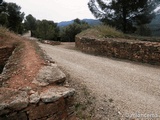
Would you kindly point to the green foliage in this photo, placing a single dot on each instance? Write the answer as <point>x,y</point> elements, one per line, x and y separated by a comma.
<point>1,1</point>
<point>46,30</point>
<point>11,16</point>
<point>143,30</point>
<point>125,15</point>
<point>30,23</point>
<point>155,25</point>
<point>69,32</point>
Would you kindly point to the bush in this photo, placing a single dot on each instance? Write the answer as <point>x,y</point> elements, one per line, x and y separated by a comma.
<point>69,32</point>
<point>143,30</point>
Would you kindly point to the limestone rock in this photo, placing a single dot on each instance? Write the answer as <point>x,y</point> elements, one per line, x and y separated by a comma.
<point>54,93</point>
<point>49,75</point>
<point>12,100</point>
<point>34,98</point>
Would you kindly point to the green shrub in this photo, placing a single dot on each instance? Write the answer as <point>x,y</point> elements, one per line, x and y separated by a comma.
<point>143,30</point>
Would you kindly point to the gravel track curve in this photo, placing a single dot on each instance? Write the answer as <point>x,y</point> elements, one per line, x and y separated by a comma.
<point>134,87</point>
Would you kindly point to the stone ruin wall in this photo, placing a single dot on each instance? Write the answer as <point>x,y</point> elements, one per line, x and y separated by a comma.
<point>51,101</point>
<point>139,51</point>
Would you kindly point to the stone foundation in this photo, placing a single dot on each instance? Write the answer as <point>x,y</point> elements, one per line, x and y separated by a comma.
<point>140,51</point>
<point>19,106</point>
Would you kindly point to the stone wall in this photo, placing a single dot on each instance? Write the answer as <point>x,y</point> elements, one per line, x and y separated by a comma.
<point>55,103</point>
<point>45,98</point>
<point>5,53</point>
<point>140,51</point>
<point>49,100</point>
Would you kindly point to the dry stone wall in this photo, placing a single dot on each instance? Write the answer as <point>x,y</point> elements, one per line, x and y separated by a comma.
<point>55,103</point>
<point>49,101</point>
<point>44,99</point>
<point>140,51</point>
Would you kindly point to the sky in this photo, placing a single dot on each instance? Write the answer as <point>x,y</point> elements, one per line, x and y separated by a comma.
<point>55,10</point>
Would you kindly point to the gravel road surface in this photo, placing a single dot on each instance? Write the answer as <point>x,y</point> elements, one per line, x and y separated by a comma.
<point>133,87</point>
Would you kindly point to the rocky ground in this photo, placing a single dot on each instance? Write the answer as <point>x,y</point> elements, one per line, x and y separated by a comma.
<point>31,83</point>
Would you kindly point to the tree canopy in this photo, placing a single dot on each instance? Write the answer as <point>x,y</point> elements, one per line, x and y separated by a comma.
<point>46,30</point>
<point>1,1</point>
<point>30,23</point>
<point>69,32</point>
<point>11,16</point>
<point>124,14</point>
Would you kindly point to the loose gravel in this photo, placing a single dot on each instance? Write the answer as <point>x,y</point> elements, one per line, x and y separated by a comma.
<point>133,89</point>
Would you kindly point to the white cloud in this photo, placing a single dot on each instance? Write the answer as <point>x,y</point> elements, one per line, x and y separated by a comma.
<point>56,10</point>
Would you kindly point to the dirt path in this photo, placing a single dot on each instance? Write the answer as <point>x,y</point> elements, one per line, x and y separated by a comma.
<point>134,89</point>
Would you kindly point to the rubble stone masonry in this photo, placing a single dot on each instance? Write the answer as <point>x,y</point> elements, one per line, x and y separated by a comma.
<point>140,51</point>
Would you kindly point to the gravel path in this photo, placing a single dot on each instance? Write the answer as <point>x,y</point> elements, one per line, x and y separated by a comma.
<point>134,88</point>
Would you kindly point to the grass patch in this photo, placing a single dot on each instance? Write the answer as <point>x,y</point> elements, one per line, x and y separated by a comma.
<point>85,106</point>
<point>3,31</point>
<point>102,31</point>
<point>38,50</point>
<point>105,31</point>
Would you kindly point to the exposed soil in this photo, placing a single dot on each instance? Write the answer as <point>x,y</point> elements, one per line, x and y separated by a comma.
<point>29,63</point>
<point>24,63</point>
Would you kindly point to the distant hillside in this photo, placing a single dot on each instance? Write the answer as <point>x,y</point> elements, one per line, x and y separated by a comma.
<point>89,21</point>
<point>92,21</point>
<point>155,25</point>
<point>65,23</point>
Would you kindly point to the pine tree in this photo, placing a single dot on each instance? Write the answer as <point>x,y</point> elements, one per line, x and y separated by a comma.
<point>30,24</point>
<point>124,14</point>
<point>11,16</point>
<point>1,1</point>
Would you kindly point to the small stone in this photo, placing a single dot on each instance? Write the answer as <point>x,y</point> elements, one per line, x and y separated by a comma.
<point>119,112</point>
<point>102,108</point>
<point>39,83</point>
<point>27,88</point>
<point>54,65</point>
<point>34,98</point>
<point>32,92</point>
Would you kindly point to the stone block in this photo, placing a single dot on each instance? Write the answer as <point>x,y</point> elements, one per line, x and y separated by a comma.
<point>49,75</point>
<point>54,93</point>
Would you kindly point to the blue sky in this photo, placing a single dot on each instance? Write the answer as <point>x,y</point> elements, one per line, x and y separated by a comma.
<point>56,10</point>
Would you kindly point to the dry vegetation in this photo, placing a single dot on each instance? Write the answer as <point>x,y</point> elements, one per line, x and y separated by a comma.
<point>103,31</point>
